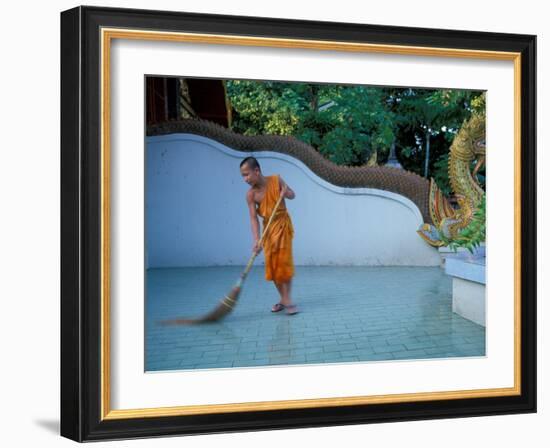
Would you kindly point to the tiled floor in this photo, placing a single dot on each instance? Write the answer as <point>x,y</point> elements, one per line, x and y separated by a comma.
<point>346,314</point>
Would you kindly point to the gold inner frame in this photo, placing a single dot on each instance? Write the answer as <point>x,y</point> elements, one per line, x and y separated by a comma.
<point>107,34</point>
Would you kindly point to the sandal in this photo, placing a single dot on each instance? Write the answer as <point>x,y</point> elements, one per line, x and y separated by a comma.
<point>291,310</point>
<point>277,307</point>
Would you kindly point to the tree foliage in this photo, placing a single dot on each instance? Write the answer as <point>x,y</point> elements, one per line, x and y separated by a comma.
<point>349,123</point>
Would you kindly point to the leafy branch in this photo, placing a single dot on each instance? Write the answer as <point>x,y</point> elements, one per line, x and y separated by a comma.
<point>473,234</point>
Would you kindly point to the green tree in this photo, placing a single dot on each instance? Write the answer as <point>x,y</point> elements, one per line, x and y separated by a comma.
<point>427,118</point>
<point>348,123</point>
<point>428,121</point>
<point>345,123</point>
<point>266,107</point>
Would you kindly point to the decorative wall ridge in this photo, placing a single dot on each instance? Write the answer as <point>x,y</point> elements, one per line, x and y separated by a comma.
<point>396,180</point>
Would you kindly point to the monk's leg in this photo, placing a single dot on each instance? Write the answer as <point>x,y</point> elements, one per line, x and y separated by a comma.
<point>285,292</point>
<point>277,306</point>
<point>280,289</point>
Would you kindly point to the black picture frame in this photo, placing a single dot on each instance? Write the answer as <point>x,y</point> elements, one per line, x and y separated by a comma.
<point>83,410</point>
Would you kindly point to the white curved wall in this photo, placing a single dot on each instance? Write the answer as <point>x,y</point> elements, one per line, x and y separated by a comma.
<point>196,213</point>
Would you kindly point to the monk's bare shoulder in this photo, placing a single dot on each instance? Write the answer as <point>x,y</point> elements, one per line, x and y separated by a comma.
<point>250,196</point>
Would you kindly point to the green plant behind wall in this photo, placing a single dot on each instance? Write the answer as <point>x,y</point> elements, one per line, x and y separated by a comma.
<point>473,234</point>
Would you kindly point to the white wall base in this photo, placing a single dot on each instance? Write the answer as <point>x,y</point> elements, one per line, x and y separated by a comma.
<point>469,300</point>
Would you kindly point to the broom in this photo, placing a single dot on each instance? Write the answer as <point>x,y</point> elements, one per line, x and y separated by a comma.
<point>227,304</point>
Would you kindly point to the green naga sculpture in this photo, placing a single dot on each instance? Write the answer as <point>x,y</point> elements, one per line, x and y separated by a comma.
<point>468,147</point>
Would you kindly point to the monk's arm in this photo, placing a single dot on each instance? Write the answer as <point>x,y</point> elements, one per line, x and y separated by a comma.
<point>288,192</point>
<point>253,217</point>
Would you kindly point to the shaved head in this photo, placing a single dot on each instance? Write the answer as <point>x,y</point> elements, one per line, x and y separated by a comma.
<point>251,162</point>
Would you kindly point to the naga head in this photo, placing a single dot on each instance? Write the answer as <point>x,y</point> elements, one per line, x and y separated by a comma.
<point>476,129</point>
<point>477,133</point>
<point>469,143</point>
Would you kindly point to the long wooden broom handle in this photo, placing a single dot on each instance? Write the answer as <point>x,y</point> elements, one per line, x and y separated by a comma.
<point>253,257</point>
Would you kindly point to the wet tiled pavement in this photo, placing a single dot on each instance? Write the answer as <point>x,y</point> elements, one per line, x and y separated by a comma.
<point>347,314</point>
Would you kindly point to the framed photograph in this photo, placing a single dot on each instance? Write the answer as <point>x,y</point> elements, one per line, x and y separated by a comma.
<point>271,223</point>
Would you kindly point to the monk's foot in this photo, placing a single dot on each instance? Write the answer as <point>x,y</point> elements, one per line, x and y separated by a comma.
<point>277,307</point>
<point>291,309</point>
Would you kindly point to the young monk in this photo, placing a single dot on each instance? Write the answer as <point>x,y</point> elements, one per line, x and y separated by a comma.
<point>277,244</point>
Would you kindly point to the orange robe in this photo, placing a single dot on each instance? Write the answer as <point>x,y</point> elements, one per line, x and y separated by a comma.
<point>277,244</point>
